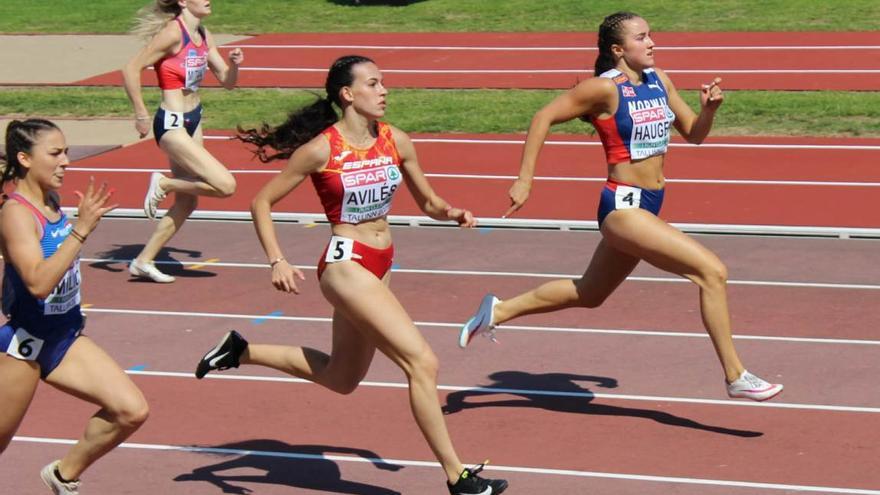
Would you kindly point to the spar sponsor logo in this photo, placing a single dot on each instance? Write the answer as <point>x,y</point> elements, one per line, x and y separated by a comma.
<point>647,111</point>
<point>371,176</point>
<point>368,192</point>
<point>650,132</point>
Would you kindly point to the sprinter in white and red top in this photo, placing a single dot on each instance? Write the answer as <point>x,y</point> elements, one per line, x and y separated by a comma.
<point>357,164</point>
<point>181,50</point>
<point>632,104</point>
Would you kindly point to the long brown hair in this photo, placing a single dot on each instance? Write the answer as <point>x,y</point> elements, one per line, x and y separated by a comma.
<point>307,122</point>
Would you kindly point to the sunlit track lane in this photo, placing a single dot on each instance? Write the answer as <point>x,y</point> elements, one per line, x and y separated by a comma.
<point>538,359</point>
<point>550,62</point>
<point>821,312</point>
<point>277,472</point>
<point>787,450</point>
<point>688,202</point>
<point>776,158</point>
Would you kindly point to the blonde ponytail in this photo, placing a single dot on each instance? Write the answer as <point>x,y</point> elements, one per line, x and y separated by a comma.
<point>152,18</point>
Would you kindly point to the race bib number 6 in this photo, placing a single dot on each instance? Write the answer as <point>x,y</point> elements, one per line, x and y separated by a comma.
<point>24,346</point>
<point>173,120</point>
<point>627,197</point>
<point>340,249</point>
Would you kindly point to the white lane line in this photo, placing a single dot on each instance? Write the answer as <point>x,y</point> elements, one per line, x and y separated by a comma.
<point>528,392</point>
<point>315,46</point>
<point>450,140</point>
<point>492,467</point>
<point>673,145</point>
<point>479,273</point>
<point>572,71</point>
<point>671,181</point>
<point>505,328</point>
<point>540,178</point>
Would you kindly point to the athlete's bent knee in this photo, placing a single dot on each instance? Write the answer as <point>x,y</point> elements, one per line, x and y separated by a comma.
<point>425,365</point>
<point>225,186</point>
<point>133,415</point>
<point>714,276</point>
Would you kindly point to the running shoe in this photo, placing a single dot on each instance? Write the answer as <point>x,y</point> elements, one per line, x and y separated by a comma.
<point>148,271</point>
<point>482,323</point>
<point>154,196</point>
<point>469,483</point>
<point>224,355</point>
<point>749,386</point>
<point>52,478</point>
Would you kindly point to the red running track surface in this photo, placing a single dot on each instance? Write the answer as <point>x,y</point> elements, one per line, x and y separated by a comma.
<point>770,61</point>
<point>632,405</point>
<point>788,181</point>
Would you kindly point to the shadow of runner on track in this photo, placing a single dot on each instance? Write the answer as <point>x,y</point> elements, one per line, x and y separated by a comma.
<point>121,254</point>
<point>572,398</point>
<point>300,466</point>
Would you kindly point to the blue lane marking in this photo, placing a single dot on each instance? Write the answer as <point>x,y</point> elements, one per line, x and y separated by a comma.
<point>258,321</point>
<point>140,367</point>
<point>395,266</point>
<point>485,230</point>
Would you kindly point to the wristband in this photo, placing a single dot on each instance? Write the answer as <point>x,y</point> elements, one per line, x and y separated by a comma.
<point>276,261</point>
<point>143,118</point>
<point>76,235</point>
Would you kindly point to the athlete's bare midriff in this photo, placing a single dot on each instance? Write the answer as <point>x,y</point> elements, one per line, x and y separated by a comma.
<point>647,173</point>
<point>180,100</point>
<point>374,233</point>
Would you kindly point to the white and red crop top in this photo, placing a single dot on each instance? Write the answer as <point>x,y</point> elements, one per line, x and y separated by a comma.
<point>358,184</point>
<point>640,127</point>
<point>186,68</point>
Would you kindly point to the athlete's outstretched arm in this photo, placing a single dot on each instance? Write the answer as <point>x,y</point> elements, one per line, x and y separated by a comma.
<point>429,202</point>
<point>308,158</point>
<point>591,97</point>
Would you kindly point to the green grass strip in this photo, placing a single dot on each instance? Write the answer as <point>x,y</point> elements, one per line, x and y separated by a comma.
<point>803,113</point>
<point>270,16</point>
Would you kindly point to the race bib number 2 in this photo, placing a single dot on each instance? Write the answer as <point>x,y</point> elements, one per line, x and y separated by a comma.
<point>340,249</point>
<point>24,345</point>
<point>173,120</point>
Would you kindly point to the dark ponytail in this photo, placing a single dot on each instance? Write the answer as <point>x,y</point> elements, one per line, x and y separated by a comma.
<point>21,135</point>
<point>610,33</point>
<point>304,124</point>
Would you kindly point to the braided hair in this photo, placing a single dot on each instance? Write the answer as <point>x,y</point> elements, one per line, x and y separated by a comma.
<point>21,135</point>
<point>307,122</point>
<point>610,33</point>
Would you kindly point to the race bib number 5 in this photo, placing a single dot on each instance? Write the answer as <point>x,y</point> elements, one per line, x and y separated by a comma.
<point>627,197</point>
<point>340,249</point>
<point>24,346</point>
<point>173,120</point>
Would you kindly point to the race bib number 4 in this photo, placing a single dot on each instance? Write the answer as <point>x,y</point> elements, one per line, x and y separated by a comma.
<point>627,197</point>
<point>24,345</point>
<point>340,249</point>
